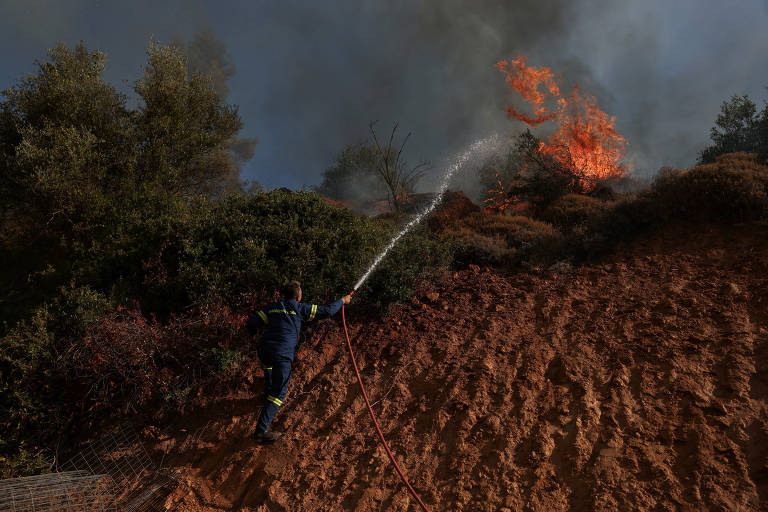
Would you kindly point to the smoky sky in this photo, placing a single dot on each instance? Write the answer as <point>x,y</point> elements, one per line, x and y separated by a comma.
<point>308,77</point>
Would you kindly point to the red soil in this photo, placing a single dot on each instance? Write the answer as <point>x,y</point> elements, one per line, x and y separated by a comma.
<point>637,384</point>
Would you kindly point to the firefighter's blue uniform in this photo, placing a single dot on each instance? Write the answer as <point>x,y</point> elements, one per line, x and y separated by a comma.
<point>278,346</point>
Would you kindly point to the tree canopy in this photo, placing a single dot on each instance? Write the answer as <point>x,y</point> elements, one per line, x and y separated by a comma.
<point>739,127</point>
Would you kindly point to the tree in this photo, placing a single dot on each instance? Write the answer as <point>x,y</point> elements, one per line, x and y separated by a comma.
<point>207,55</point>
<point>70,148</point>
<point>185,132</point>
<point>400,178</point>
<point>738,127</point>
<point>81,173</point>
<point>354,175</point>
<point>65,137</point>
<point>525,174</point>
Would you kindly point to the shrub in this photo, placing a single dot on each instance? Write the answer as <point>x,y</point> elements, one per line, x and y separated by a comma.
<point>734,188</point>
<point>484,234</point>
<point>471,247</point>
<point>573,211</point>
<point>418,255</point>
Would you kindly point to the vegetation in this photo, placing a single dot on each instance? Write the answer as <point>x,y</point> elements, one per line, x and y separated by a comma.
<point>526,175</point>
<point>738,128</point>
<point>131,255</point>
<point>399,177</point>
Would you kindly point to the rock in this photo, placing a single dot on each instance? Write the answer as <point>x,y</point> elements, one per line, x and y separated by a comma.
<point>561,267</point>
<point>433,297</point>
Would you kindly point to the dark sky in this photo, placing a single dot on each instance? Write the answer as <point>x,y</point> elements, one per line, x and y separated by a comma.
<point>311,75</point>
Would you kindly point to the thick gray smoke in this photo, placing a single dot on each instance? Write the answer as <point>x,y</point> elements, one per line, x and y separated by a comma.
<point>311,75</point>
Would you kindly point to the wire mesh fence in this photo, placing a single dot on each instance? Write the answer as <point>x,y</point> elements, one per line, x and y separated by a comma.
<point>116,472</point>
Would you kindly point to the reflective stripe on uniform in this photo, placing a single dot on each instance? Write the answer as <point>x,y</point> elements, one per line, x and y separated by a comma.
<point>313,312</point>
<point>284,311</point>
<point>264,317</point>
<point>274,400</point>
<point>267,367</point>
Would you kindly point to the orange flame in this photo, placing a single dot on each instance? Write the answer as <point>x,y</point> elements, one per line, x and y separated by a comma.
<point>586,140</point>
<point>499,199</point>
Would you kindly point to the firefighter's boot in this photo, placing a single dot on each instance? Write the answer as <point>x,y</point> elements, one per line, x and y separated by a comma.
<point>266,437</point>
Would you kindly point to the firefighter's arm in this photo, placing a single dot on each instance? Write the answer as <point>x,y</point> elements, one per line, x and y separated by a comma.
<point>256,321</point>
<point>314,312</point>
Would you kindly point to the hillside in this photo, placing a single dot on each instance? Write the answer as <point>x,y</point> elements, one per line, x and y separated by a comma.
<point>639,383</point>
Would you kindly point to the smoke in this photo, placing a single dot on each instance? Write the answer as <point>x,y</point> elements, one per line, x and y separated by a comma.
<point>206,54</point>
<point>429,66</point>
<point>311,75</point>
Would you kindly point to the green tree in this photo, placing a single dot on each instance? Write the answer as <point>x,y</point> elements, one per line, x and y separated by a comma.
<point>206,54</point>
<point>65,138</point>
<point>81,174</point>
<point>738,127</point>
<point>185,133</point>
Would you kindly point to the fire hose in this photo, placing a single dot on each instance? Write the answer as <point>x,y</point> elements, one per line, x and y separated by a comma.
<point>373,417</point>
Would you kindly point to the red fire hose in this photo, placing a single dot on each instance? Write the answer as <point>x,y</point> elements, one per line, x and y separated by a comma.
<point>373,417</point>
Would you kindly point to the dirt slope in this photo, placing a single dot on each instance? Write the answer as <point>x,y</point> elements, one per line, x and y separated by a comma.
<point>640,384</point>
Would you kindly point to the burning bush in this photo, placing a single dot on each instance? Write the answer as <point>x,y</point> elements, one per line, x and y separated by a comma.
<point>584,150</point>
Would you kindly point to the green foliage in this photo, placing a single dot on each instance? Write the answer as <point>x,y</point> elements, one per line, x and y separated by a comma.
<point>738,128</point>
<point>418,255</point>
<point>184,131</point>
<point>32,356</point>
<point>221,359</point>
<point>258,242</point>
<point>64,138</point>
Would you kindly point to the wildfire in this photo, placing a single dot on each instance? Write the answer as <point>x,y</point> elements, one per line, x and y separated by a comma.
<point>585,141</point>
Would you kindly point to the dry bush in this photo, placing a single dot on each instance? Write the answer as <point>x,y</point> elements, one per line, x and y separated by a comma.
<point>455,206</point>
<point>471,247</point>
<point>525,239</point>
<point>732,189</point>
<point>574,211</point>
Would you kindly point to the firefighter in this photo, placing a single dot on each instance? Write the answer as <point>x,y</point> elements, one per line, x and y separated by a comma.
<point>277,347</point>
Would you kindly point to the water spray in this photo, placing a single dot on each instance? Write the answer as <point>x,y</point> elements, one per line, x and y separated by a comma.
<point>481,145</point>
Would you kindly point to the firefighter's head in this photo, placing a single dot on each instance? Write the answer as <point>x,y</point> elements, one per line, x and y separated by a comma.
<point>292,291</point>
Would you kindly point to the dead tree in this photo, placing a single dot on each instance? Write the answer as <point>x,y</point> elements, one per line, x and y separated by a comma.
<point>399,177</point>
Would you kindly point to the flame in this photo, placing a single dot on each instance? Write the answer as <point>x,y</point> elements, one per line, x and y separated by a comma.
<point>499,200</point>
<point>585,141</point>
